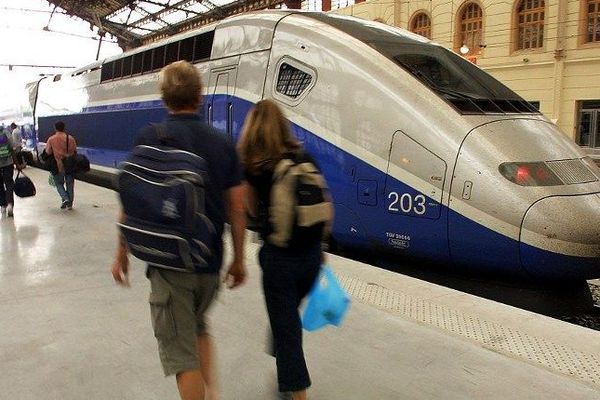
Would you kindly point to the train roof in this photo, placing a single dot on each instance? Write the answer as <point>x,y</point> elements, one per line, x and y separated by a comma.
<point>364,30</point>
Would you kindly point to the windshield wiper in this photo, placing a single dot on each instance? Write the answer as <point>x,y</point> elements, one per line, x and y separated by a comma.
<point>453,92</point>
<point>434,86</point>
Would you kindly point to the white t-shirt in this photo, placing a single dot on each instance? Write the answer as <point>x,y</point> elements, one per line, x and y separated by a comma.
<point>17,139</point>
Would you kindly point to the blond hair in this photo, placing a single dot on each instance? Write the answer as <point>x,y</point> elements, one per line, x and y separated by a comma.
<point>266,137</point>
<point>180,86</point>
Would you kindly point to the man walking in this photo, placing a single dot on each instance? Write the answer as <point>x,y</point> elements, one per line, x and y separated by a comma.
<point>61,145</point>
<point>185,346</point>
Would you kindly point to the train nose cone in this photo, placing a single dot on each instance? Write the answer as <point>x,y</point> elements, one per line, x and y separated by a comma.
<point>560,237</point>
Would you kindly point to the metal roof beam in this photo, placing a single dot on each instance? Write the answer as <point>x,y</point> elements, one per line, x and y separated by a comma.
<point>175,6</point>
<point>157,15</point>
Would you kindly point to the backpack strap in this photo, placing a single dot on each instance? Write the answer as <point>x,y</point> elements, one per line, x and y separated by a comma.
<point>282,168</point>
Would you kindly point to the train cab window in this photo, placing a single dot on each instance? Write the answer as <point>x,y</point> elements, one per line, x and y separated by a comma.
<point>203,46</point>
<point>466,87</point>
<point>186,49</point>
<point>147,64</point>
<point>172,53</point>
<point>292,81</point>
<point>138,60</point>
<point>127,66</point>
<point>159,58</point>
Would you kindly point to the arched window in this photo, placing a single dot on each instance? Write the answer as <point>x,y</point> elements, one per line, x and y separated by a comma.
<point>470,30</point>
<point>421,24</point>
<point>530,24</point>
<point>592,24</point>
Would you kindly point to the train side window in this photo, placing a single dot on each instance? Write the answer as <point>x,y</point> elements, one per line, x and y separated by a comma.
<point>203,46</point>
<point>172,53</point>
<point>138,60</point>
<point>291,81</point>
<point>107,71</point>
<point>118,70</point>
<point>159,58</point>
<point>147,64</point>
<point>127,66</point>
<point>186,49</point>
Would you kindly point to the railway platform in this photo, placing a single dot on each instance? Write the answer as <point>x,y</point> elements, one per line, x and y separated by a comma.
<point>68,332</point>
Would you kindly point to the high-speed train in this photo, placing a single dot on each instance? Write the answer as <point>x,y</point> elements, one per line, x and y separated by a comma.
<point>425,154</point>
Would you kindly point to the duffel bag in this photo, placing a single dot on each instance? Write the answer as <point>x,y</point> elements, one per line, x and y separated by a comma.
<point>23,187</point>
<point>76,163</point>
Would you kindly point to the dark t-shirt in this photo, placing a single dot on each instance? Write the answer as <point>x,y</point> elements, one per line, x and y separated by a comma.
<point>187,132</point>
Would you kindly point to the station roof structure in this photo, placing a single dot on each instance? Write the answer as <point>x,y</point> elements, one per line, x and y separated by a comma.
<point>138,22</point>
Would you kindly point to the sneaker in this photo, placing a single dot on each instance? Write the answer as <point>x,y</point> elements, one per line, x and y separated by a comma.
<point>70,206</point>
<point>64,204</point>
<point>3,210</point>
<point>9,210</point>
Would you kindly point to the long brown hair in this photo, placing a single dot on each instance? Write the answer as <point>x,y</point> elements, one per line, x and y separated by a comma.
<point>266,137</point>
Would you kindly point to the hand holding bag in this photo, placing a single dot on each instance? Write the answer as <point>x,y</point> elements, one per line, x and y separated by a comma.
<point>49,162</point>
<point>23,187</point>
<point>327,302</point>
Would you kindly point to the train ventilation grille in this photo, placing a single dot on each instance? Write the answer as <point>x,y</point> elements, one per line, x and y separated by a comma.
<point>571,171</point>
<point>488,106</point>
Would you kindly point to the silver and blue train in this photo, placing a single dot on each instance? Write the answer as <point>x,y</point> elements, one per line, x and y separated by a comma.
<point>425,154</point>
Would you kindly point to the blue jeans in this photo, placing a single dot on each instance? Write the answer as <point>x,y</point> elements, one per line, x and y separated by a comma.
<point>60,180</point>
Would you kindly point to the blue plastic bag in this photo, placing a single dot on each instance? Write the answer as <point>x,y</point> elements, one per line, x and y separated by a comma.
<point>327,302</point>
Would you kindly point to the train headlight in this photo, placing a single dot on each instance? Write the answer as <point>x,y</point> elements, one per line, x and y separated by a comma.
<point>529,174</point>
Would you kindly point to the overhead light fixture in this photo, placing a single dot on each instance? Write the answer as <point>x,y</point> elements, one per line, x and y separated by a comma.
<point>464,49</point>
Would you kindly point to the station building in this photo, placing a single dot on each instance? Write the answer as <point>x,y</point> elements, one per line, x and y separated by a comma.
<point>548,51</point>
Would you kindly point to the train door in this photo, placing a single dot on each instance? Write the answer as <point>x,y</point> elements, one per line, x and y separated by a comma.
<point>413,216</point>
<point>220,104</point>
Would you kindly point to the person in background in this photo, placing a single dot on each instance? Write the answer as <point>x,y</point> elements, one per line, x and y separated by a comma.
<point>188,351</point>
<point>288,273</point>
<point>8,151</point>
<point>61,145</point>
<point>16,137</point>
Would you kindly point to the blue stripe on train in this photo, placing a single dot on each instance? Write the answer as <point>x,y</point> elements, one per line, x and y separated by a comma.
<point>107,133</point>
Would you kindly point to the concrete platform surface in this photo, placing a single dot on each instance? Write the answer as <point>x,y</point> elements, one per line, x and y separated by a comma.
<point>68,332</point>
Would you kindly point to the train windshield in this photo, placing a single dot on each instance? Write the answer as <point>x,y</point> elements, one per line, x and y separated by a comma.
<point>446,73</point>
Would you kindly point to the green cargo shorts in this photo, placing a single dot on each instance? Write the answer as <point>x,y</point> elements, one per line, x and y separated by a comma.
<point>178,304</point>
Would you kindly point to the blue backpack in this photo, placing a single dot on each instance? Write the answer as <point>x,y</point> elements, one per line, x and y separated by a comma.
<point>162,192</point>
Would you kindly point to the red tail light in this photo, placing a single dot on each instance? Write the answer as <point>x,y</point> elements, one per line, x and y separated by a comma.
<point>529,174</point>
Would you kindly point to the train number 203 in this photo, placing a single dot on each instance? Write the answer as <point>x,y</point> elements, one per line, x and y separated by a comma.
<point>406,203</point>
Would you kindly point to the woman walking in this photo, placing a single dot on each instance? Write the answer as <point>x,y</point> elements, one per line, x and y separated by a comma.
<point>290,272</point>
